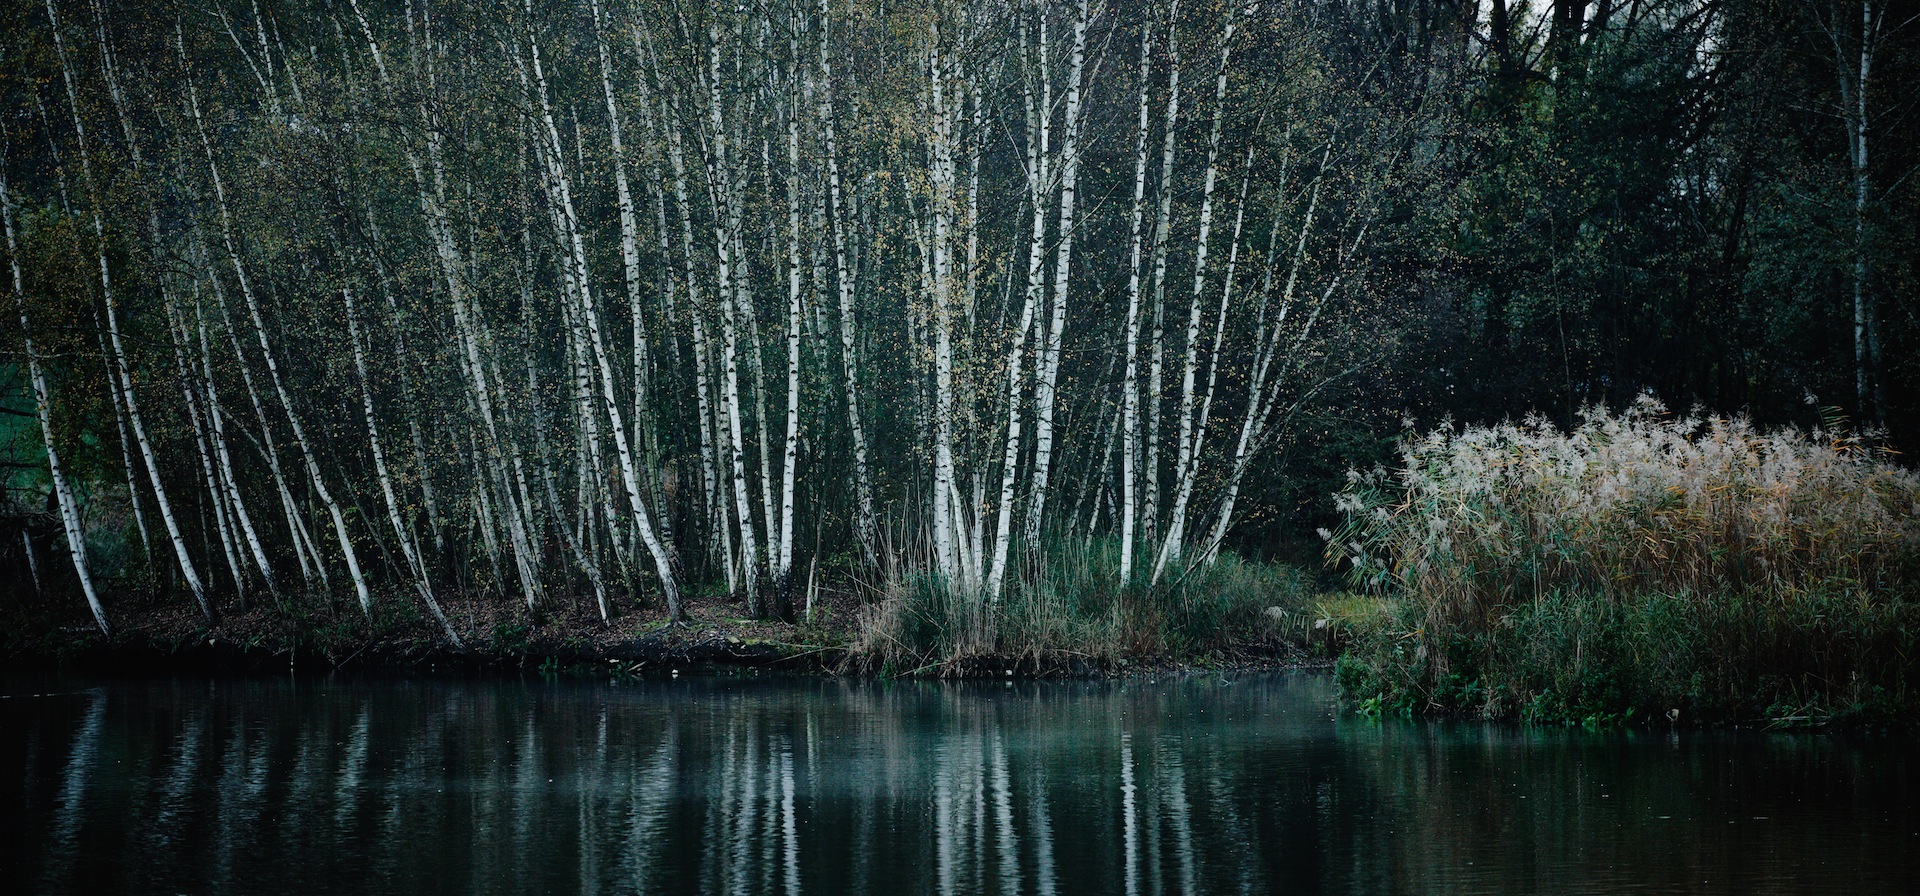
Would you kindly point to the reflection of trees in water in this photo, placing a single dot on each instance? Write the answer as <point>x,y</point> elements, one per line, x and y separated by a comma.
<point>63,835</point>
<point>1192,786</point>
<point>711,787</point>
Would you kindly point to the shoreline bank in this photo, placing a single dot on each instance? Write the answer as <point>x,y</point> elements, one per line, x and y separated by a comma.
<point>569,641</point>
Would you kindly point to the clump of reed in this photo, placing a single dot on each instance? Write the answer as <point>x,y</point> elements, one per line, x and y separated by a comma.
<point>1072,611</point>
<point>1642,556</point>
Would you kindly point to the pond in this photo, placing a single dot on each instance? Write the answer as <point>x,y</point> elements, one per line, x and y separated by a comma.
<point>1190,784</point>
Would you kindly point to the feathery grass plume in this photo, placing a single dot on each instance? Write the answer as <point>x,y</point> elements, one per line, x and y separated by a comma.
<point>1486,531</point>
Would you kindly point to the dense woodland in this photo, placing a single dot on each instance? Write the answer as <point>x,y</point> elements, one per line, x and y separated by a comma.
<point>639,299</point>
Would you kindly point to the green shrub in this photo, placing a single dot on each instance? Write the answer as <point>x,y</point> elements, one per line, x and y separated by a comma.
<point>1075,607</point>
<point>1638,564</point>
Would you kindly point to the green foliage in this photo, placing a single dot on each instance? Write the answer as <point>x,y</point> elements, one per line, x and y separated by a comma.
<point>510,637</point>
<point>1578,658</point>
<point>1074,608</point>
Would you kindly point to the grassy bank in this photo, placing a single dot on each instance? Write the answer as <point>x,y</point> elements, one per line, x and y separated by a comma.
<point>1076,609</point>
<point>1640,566</point>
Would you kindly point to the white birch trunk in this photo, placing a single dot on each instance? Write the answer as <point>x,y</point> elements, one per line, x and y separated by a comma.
<point>721,178</point>
<point>122,371</point>
<point>128,460</point>
<point>629,234</point>
<point>1162,234</point>
<point>866,528</point>
<point>1855,74</point>
<point>177,340</point>
<point>229,505</point>
<point>756,364</point>
<point>410,392</point>
<point>709,473</point>
<point>216,414</point>
<point>1038,178</point>
<point>1048,369</point>
<point>43,411</point>
<point>402,532</point>
<point>1184,487</point>
<point>629,472</point>
<point>783,571</point>
<point>302,540</point>
<point>1184,445</point>
<point>1130,384</point>
<point>944,521</point>
<point>273,368</point>
<point>429,178</point>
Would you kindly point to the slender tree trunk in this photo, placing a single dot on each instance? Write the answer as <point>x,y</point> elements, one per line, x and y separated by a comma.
<point>716,512</point>
<point>129,461</point>
<point>783,571</point>
<point>1130,384</point>
<point>629,472</point>
<point>1855,75</point>
<point>720,175</point>
<point>216,415</point>
<point>273,368</point>
<point>304,551</point>
<point>122,371</point>
<point>1270,367</point>
<point>1191,474</point>
<point>409,391</point>
<point>865,528</point>
<point>429,176</point>
<point>1047,374</point>
<point>942,178</point>
<point>1184,445</point>
<point>178,339</point>
<point>1162,234</point>
<point>402,533</point>
<point>43,411</point>
<point>1038,180</point>
<point>629,238</point>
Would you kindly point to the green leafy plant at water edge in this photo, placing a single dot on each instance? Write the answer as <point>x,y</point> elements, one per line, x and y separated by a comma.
<point>1075,607</point>
<point>510,637</point>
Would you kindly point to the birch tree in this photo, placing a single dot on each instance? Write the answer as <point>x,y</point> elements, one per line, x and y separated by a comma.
<point>70,521</point>
<point>121,370</point>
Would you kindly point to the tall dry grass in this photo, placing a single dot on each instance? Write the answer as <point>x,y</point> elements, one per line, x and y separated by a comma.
<point>1486,534</point>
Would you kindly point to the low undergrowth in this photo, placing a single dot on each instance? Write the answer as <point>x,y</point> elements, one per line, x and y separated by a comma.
<point>1804,659</point>
<point>1074,611</point>
<point>1640,566</point>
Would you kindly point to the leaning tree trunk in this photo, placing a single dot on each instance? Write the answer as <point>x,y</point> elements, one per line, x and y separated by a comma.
<point>122,370</point>
<point>402,533</point>
<point>301,443</point>
<point>42,403</point>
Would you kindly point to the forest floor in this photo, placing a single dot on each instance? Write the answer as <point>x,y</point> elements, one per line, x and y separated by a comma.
<point>165,635</point>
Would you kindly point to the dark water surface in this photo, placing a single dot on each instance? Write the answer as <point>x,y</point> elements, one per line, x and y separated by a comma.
<point>1190,785</point>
